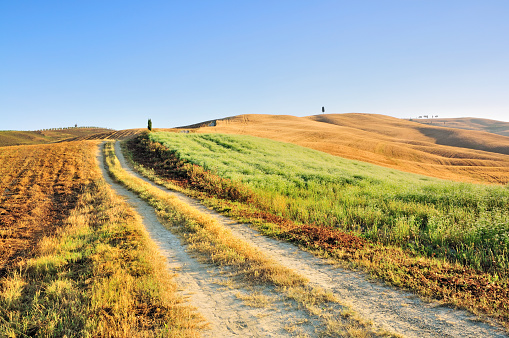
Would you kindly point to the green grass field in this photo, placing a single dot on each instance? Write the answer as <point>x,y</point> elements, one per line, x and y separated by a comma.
<point>464,222</point>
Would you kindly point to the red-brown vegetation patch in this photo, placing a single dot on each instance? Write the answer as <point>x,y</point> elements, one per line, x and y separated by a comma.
<point>452,283</point>
<point>327,239</point>
<point>456,284</point>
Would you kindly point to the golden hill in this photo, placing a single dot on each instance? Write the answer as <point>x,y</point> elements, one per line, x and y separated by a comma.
<point>13,138</point>
<point>470,123</point>
<point>448,153</point>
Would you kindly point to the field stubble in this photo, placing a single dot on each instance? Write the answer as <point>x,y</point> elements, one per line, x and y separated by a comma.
<point>38,186</point>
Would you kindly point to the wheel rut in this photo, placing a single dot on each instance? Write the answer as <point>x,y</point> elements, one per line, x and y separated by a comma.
<point>210,290</point>
<point>386,307</point>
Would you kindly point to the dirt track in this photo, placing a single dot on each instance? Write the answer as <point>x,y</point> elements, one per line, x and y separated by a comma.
<point>386,307</point>
<point>209,289</point>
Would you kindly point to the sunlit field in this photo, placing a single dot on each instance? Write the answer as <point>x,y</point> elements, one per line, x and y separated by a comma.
<point>75,259</point>
<point>430,150</point>
<point>463,222</point>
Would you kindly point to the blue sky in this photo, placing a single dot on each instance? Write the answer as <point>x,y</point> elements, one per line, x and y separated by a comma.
<point>117,63</point>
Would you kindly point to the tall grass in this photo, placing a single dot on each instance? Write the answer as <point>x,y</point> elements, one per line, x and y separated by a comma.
<point>98,276</point>
<point>464,222</point>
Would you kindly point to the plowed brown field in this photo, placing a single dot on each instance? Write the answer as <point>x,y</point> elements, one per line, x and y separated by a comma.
<point>448,153</point>
<point>14,138</point>
<point>38,187</point>
<point>110,135</point>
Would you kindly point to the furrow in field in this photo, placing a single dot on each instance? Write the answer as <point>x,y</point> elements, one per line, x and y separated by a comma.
<point>387,307</point>
<point>33,197</point>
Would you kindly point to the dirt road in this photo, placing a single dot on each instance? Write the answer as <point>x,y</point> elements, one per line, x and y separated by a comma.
<point>212,292</point>
<point>386,307</point>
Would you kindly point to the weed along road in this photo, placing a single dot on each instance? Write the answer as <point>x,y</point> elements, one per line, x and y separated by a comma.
<point>216,296</point>
<point>323,299</point>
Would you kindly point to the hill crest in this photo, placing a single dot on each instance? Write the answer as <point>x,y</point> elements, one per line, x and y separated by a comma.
<point>470,123</point>
<point>449,153</point>
<point>13,137</point>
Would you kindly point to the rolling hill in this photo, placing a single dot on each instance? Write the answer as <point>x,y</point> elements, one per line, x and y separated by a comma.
<point>471,123</point>
<point>466,152</point>
<point>109,135</point>
<point>14,138</point>
<point>449,153</point>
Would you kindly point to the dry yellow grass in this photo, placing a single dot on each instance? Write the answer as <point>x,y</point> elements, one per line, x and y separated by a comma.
<point>215,243</point>
<point>75,260</point>
<point>470,123</point>
<point>205,234</point>
<point>461,155</point>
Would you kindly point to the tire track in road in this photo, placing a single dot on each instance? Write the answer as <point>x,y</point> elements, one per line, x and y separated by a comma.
<point>203,285</point>
<point>387,307</point>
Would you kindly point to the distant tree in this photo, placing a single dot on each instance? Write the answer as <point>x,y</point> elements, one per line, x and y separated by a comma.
<point>323,110</point>
<point>150,124</point>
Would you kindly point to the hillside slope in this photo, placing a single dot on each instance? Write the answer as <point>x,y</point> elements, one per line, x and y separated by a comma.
<point>471,123</point>
<point>109,135</point>
<point>447,153</point>
<point>14,138</point>
<point>409,131</point>
<point>117,134</point>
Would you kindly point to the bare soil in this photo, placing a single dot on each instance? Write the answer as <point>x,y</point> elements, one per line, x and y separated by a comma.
<point>39,185</point>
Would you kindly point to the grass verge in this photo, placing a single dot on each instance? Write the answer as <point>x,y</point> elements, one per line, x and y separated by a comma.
<point>216,244</point>
<point>481,292</point>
